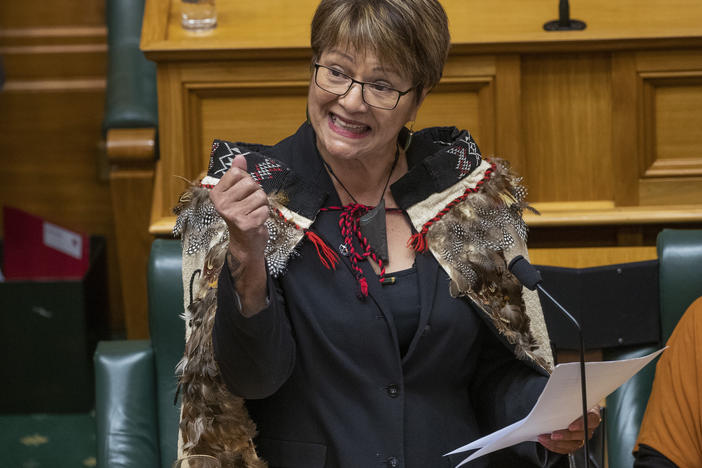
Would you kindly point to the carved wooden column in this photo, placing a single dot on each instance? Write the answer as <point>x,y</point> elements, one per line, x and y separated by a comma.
<point>131,156</point>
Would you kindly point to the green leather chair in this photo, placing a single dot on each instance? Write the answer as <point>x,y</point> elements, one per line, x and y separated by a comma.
<point>680,283</point>
<point>136,417</point>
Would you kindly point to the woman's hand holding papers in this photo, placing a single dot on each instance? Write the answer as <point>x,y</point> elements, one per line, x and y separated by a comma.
<point>571,439</point>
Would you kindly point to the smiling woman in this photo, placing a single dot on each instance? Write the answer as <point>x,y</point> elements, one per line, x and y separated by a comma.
<point>351,133</point>
<point>351,302</point>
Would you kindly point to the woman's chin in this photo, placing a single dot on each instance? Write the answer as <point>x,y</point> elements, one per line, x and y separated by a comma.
<point>338,147</point>
<point>344,152</point>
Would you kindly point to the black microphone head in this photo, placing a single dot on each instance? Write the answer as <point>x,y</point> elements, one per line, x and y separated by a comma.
<point>525,272</point>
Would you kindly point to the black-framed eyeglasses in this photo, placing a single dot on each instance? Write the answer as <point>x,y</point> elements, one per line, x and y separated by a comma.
<point>374,94</point>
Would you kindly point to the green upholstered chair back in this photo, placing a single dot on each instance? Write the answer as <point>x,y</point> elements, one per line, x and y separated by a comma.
<point>130,97</point>
<point>167,330</point>
<point>679,275</point>
<point>680,283</point>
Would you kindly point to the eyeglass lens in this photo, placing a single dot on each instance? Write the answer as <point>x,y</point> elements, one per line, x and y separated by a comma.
<point>375,95</point>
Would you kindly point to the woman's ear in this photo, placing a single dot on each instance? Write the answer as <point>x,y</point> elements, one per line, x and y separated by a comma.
<point>420,101</point>
<point>425,91</point>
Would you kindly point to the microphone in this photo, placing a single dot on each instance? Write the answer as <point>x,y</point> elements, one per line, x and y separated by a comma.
<point>531,279</point>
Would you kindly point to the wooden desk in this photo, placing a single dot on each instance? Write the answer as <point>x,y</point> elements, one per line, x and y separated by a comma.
<point>607,118</point>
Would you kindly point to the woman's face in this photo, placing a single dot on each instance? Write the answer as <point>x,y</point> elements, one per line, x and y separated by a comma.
<point>347,128</point>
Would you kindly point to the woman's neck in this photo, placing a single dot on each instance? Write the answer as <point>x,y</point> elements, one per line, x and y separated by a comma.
<point>362,180</point>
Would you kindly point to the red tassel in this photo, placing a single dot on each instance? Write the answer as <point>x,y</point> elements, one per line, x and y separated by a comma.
<point>364,286</point>
<point>326,255</point>
<point>417,242</point>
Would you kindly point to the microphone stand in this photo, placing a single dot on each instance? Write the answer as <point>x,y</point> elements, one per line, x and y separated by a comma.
<point>530,277</point>
<point>564,23</point>
<point>582,368</point>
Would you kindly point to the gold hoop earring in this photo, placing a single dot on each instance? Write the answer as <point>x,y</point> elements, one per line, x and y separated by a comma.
<point>406,135</point>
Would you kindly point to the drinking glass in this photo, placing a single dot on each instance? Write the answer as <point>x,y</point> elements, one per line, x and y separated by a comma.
<point>198,15</point>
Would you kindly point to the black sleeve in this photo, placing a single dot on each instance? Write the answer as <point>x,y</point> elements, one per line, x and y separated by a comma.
<point>505,390</point>
<point>648,457</point>
<point>255,355</point>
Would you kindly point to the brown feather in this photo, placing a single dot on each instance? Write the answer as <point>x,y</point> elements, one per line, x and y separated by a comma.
<point>213,421</point>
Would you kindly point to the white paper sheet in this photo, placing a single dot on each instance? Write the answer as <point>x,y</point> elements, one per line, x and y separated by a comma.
<point>560,403</point>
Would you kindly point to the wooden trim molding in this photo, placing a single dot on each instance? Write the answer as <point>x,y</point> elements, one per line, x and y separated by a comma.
<point>131,153</point>
<point>653,165</point>
<point>127,146</point>
<point>582,215</point>
<point>625,128</point>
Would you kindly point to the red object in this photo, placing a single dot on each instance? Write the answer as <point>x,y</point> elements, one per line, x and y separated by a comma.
<point>327,256</point>
<point>417,242</point>
<point>37,249</point>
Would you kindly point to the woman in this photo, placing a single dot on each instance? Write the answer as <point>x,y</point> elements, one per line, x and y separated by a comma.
<point>363,308</point>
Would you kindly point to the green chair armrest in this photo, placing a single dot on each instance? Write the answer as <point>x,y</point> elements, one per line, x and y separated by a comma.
<point>125,405</point>
<point>625,408</point>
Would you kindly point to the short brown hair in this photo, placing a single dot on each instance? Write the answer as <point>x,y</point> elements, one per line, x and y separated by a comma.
<point>412,36</point>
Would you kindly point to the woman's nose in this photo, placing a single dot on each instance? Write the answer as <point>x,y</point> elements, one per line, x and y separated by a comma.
<point>353,99</point>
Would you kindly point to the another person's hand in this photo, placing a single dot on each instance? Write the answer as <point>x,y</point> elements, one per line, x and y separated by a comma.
<point>570,439</point>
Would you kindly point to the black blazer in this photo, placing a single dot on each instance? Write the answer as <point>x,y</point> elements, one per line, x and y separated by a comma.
<point>324,378</point>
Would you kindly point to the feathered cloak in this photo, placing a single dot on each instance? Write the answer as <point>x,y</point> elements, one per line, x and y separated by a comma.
<point>466,211</point>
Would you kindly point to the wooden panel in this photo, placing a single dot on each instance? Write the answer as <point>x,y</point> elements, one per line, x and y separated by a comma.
<point>584,257</point>
<point>673,117</point>
<point>508,112</point>
<point>50,120</point>
<point>49,144</point>
<point>476,26</point>
<point>626,136</point>
<point>668,88</point>
<point>129,189</point>
<point>50,63</point>
<point>476,21</point>
<point>466,104</point>
<point>579,214</point>
<point>567,117</point>
<point>43,14</point>
<point>670,190</point>
<point>173,141</point>
<point>681,60</point>
<point>53,53</point>
<point>212,114</point>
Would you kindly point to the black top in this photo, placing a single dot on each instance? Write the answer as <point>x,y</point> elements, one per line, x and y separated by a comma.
<point>403,297</point>
<point>648,457</point>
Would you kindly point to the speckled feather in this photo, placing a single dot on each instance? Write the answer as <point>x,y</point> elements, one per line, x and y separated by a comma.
<point>471,240</point>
